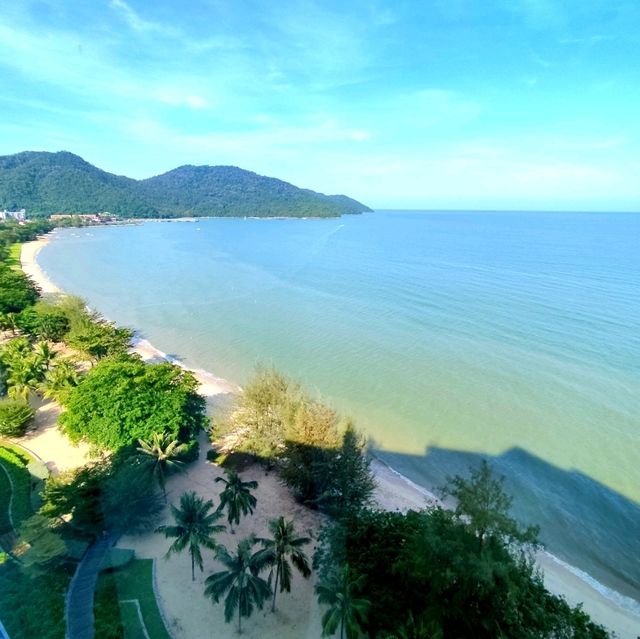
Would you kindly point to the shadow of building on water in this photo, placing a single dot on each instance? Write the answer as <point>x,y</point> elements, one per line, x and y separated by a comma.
<point>582,521</point>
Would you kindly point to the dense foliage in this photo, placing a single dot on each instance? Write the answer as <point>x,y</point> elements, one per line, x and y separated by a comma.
<point>46,183</point>
<point>123,400</point>
<point>442,573</point>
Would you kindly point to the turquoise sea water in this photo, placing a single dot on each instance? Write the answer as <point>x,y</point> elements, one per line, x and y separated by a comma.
<point>449,336</point>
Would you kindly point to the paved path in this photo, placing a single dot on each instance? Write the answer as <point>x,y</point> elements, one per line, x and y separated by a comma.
<point>79,604</point>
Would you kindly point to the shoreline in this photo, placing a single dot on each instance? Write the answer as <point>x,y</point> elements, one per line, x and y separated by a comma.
<point>395,491</point>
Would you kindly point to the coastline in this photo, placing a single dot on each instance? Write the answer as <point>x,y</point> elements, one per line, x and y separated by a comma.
<point>394,491</point>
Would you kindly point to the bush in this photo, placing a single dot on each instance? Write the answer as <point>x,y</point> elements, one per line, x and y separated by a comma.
<point>14,417</point>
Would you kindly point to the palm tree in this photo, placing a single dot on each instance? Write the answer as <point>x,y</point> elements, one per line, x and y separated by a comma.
<point>241,583</point>
<point>160,457</point>
<point>23,377</point>
<point>338,590</point>
<point>44,355</point>
<point>236,497</point>
<point>59,380</point>
<point>195,526</point>
<point>277,551</point>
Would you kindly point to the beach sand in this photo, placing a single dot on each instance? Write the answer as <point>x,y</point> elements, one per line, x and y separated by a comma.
<point>188,612</point>
<point>31,267</point>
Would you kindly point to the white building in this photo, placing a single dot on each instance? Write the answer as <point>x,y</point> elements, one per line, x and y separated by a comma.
<point>19,216</point>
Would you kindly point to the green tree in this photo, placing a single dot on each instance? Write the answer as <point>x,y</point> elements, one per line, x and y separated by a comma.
<point>44,320</point>
<point>261,414</point>
<point>311,447</point>
<point>122,400</point>
<point>160,457</point>
<point>482,502</point>
<point>339,590</point>
<point>284,545</point>
<point>98,339</point>
<point>17,291</point>
<point>240,582</point>
<point>351,480</point>
<point>44,356</point>
<point>236,497</point>
<point>60,380</point>
<point>24,377</point>
<point>194,528</point>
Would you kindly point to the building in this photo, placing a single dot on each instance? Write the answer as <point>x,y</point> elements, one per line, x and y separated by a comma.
<point>18,216</point>
<point>89,218</point>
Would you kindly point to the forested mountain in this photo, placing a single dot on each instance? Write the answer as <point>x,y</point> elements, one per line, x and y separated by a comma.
<point>45,183</point>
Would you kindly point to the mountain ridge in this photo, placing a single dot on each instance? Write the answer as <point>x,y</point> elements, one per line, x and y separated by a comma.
<point>43,183</point>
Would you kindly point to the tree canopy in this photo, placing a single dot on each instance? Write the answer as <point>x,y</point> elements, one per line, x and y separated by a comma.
<point>123,400</point>
<point>429,576</point>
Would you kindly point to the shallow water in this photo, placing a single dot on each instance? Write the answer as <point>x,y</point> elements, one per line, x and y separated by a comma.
<point>449,336</point>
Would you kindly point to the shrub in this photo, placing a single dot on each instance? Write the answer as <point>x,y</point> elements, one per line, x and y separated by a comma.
<point>14,417</point>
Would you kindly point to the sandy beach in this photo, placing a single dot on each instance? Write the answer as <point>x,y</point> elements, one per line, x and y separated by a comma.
<point>191,615</point>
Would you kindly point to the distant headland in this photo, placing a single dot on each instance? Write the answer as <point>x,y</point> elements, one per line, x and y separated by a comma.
<point>45,183</point>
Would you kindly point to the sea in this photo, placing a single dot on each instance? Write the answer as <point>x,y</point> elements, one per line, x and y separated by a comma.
<point>449,337</point>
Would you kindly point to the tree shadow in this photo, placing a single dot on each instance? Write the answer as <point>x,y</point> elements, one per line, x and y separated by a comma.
<point>582,521</point>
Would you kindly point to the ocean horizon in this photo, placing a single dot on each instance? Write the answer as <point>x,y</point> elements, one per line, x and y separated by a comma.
<point>449,336</point>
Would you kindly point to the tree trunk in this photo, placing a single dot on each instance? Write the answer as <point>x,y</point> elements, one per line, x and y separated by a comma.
<point>239,619</point>
<point>193,568</point>
<point>275,589</point>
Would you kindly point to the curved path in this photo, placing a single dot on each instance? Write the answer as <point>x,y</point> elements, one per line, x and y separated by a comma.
<point>79,603</point>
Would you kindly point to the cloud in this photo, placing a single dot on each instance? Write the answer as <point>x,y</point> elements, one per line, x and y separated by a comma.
<point>137,23</point>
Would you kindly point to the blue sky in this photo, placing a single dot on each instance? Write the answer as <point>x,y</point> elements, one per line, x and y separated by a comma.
<point>430,103</point>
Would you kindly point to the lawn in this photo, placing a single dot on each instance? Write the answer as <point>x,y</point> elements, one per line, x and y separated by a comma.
<point>14,256</point>
<point>125,595</point>
<point>14,466</point>
<point>5,495</point>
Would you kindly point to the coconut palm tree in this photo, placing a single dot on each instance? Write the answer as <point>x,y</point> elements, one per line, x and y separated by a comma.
<point>195,526</point>
<point>236,497</point>
<point>44,355</point>
<point>24,376</point>
<point>284,545</point>
<point>59,380</point>
<point>159,456</point>
<point>240,582</point>
<point>338,590</point>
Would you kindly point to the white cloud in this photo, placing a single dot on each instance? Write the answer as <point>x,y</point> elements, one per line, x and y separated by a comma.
<point>137,23</point>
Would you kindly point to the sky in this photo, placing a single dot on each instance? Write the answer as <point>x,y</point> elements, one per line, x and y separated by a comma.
<point>507,104</point>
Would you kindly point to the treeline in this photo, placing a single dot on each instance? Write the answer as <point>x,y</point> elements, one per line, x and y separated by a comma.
<point>434,573</point>
<point>141,418</point>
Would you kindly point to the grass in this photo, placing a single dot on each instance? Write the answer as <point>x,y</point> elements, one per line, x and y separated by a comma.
<point>5,495</point>
<point>116,614</point>
<point>13,260</point>
<point>14,462</point>
<point>32,602</point>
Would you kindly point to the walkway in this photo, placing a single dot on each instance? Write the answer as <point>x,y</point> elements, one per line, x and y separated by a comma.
<point>79,604</point>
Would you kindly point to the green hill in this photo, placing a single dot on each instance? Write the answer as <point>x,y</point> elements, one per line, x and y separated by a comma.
<point>46,183</point>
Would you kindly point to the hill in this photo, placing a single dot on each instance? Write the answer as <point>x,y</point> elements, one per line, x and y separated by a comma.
<point>45,183</point>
